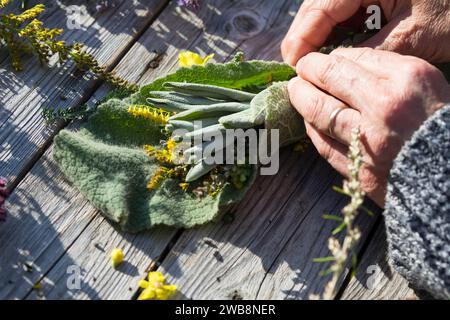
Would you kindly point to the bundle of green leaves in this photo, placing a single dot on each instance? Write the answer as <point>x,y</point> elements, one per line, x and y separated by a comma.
<point>121,159</point>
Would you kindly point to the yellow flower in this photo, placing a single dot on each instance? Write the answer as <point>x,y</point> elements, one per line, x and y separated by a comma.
<point>37,286</point>
<point>189,59</point>
<point>161,174</point>
<point>28,14</point>
<point>155,288</point>
<point>3,3</point>
<point>116,257</point>
<point>184,186</point>
<point>171,145</point>
<point>166,155</point>
<point>302,145</point>
<point>156,115</point>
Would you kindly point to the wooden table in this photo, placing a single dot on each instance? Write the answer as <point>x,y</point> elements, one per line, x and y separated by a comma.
<point>265,247</point>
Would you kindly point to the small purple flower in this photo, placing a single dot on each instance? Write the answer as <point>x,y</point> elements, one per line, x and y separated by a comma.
<point>4,193</point>
<point>194,4</point>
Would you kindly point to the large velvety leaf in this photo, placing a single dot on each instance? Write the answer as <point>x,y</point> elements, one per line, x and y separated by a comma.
<point>246,75</point>
<point>106,162</point>
<point>272,107</point>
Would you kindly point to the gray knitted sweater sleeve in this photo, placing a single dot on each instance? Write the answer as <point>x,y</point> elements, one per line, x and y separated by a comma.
<point>417,210</point>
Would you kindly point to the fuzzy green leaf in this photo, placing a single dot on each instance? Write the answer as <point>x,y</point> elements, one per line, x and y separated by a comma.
<point>105,160</point>
<point>236,75</point>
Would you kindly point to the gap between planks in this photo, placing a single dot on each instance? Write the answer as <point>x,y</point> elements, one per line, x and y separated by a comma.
<point>242,44</point>
<point>375,279</point>
<point>173,62</point>
<point>16,204</point>
<point>24,133</point>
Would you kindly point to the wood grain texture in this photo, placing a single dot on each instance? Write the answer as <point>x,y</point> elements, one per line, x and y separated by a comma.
<point>267,252</point>
<point>152,56</point>
<point>47,216</point>
<point>376,279</point>
<point>23,131</point>
<point>262,249</point>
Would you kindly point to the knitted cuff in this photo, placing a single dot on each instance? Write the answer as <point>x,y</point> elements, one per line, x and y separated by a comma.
<point>418,207</point>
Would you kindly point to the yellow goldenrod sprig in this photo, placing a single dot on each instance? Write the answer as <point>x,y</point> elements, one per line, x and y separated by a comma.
<point>163,155</point>
<point>156,115</point>
<point>3,3</point>
<point>166,156</point>
<point>24,34</point>
<point>27,14</point>
<point>86,60</point>
<point>352,188</point>
<point>161,174</point>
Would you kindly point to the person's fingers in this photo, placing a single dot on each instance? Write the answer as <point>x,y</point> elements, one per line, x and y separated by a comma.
<point>334,152</point>
<point>341,77</point>
<point>313,24</point>
<point>336,155</point>
<point>396,36</point>
<point>403,36</point>
<point>379,62</point>
<point>316,107</point>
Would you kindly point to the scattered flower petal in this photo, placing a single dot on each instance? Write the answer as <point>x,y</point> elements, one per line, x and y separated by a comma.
<point>116,257</point>
<point>155,287</point>
<point>37,286</point>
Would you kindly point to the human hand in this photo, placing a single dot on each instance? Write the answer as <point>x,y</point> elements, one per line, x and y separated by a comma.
<point>386,95</point>
<point>415,27</point>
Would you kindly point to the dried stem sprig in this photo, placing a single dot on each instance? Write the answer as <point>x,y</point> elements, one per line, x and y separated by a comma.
<point>352,188</point>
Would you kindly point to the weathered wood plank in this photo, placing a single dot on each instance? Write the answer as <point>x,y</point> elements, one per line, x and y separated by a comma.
<point>267,252</point>
<point>33,228</point>
<point>63,215</point>
<point>375,278</point>
<point>23,132</point>
<point>47,216</point>
<point>159,38</point>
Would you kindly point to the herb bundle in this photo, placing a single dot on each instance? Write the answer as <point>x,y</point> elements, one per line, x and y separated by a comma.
<point>217,109</point>
<point>123,158</point>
